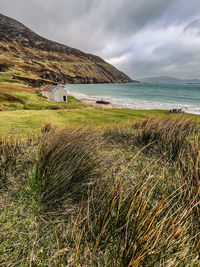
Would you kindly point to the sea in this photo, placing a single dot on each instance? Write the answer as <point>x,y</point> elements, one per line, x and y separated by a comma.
<point>142,95</point>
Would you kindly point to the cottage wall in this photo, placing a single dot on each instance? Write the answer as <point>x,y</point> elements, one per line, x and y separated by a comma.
<point>45,94</point>
<point>59,93</point>
<point>50,96</point>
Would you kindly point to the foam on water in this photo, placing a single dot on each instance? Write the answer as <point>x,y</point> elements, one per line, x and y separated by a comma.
<point>118,97</point>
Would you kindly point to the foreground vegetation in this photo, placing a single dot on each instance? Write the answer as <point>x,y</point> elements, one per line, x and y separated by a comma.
<point>123,196</point>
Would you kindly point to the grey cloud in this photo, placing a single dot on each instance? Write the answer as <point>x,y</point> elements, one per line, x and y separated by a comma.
<point>193,27</point>
<point>169,59</point>
<point>140,37</point>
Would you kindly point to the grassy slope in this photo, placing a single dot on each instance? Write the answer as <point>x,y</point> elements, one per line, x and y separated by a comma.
<point>27,99</point>
<point>32,101</point>
<point>29,63</point>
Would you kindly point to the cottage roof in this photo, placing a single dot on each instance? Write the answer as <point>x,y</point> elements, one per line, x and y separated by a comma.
<point>49,88</point>
<point>52,88</point>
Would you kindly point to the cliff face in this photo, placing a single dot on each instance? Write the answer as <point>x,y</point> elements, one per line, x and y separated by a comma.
<point>37,60</point>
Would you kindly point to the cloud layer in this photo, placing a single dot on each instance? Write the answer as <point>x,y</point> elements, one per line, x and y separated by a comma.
<point>140,37</point>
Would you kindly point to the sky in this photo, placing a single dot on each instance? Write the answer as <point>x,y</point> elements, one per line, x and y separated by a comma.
<point>142,38</point>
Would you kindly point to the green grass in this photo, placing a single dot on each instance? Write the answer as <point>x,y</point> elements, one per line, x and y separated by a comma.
<point>24,112</point>
<point>29,121</point>
<point>32,101</point>
<point>7,77</point>
<point>124,192</point>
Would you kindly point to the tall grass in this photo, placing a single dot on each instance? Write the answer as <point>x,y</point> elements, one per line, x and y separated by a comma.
<point>125,225</point>
<point>188,167</point>
<point>14,157</point>
<point>67,162</point>
<point>71,199</point>
<point>168,135</point>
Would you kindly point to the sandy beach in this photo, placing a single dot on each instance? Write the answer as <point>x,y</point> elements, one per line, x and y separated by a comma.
<point>92,103</point>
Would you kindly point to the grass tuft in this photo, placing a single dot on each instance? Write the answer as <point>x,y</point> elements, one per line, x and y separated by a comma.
<point>166,135</point>
<point>68,159</point>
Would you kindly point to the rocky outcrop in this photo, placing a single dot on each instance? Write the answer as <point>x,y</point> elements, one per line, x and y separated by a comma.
<point>39,58</point>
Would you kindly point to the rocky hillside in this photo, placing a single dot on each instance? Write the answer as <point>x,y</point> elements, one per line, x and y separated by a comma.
<point>36,60</point>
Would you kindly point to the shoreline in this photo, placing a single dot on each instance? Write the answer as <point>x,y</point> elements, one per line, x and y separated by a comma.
<point>138,105</point>
<point>92,103</point>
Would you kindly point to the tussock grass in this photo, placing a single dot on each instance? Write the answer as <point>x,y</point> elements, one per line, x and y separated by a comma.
<point>68,159</point>
<point>14,156</point>
<point>168,134</point>
<point>72,199</point>
<point>126,227</point>
<point>188,167</point>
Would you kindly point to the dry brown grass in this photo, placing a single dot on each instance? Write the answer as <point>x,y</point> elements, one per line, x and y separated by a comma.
<point>7,87</point>
<point>162,135</point>
<point>65,208</point>
<point>31,62</point>
<point>14,158</point>
<point>122,227</point>
<point>68,159</point>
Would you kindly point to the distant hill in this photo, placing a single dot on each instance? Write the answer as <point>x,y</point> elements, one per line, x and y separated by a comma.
<point>37,60</point>
<point>166,79</point>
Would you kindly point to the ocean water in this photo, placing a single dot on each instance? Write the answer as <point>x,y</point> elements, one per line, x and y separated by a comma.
<point>143,95</point>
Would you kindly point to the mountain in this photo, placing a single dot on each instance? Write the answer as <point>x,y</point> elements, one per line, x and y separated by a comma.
<point>166,79</point>
<point>37,60</point>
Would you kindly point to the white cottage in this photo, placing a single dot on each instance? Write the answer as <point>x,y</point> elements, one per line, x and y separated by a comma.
<point>57,93</point>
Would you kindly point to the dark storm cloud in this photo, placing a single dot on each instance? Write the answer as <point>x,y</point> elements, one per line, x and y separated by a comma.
<point>140,37</point>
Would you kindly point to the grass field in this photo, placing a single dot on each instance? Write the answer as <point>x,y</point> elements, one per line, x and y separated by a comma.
<point>24,112</point>
<point>30,121</point>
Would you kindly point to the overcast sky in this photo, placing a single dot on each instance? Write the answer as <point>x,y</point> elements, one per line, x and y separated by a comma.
<point>140,37</point>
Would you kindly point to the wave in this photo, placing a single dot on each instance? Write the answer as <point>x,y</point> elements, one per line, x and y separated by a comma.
<point>138,103</point>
